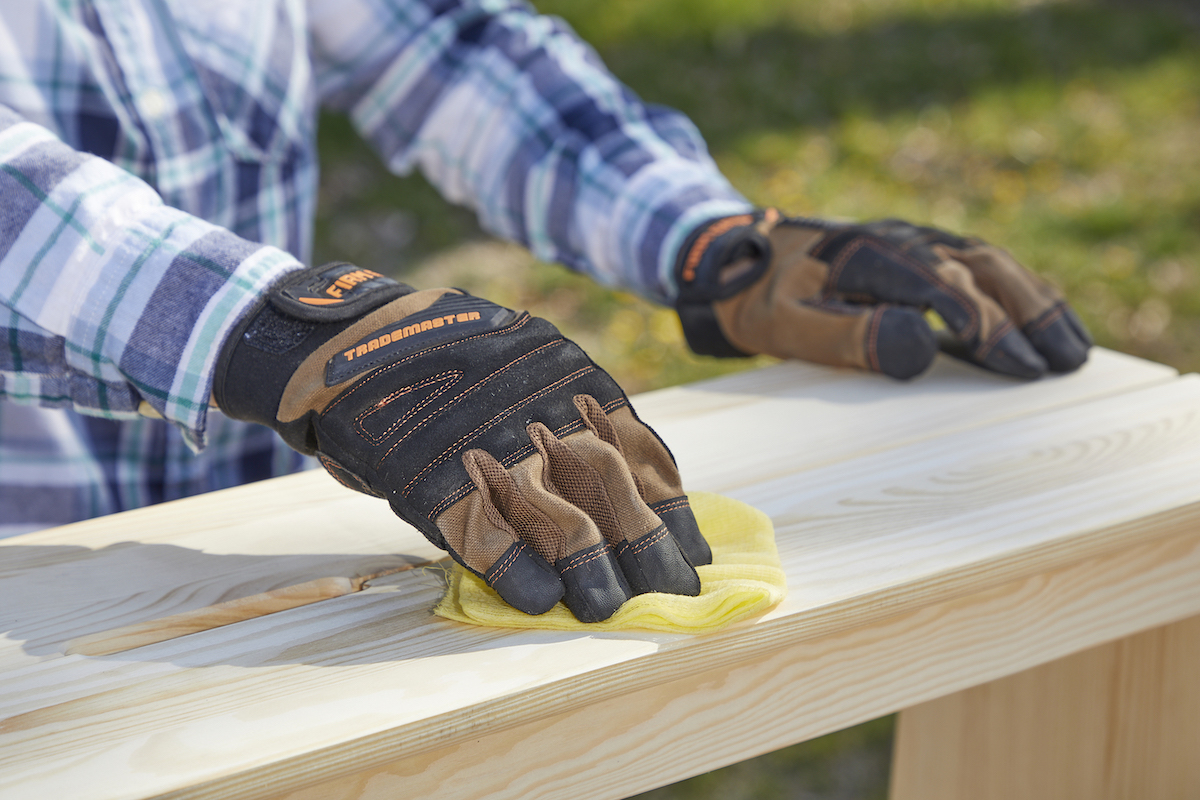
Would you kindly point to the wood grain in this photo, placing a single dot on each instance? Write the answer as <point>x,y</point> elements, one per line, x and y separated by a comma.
<point>795,416</point>
<point>884,510</point>
<point>192,554</point>
<point>153,631</point>
<point>682,727</point>
<point>1117,721</point>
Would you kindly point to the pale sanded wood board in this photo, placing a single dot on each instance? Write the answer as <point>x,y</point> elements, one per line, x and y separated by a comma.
<point>196,553</point>
<point>703,721</point>
<point>872,523</point>
<point>1121,720</point>
<point>743,429</point>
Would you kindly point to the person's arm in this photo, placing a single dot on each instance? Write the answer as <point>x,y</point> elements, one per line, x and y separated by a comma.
<point>510,113</point>
<point>109,298</point>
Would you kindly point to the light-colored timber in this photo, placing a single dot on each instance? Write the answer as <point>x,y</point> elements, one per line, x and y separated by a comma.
<point>937,535</point>
<point>1118,721</point>
<point>153,631</point>
<point>693,724</point>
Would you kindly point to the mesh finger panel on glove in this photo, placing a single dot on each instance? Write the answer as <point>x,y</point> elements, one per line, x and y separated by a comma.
<point>575,503</point>
<point>654,473</point>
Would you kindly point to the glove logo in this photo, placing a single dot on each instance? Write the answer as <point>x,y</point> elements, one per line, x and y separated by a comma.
<point>383,340</point>
<point>336,292</point>
<point>337,286</point>
<point>446,320</point>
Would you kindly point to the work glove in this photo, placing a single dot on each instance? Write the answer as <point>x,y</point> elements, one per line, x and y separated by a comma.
<point>855,295</point>
<point>488,431</point>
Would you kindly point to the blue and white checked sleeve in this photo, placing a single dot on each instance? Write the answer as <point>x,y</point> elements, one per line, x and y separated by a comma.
<point>510,113</point>
<point>109,296</point>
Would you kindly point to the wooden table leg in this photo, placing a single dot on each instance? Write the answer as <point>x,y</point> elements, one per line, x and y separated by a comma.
<point>1119,721</point>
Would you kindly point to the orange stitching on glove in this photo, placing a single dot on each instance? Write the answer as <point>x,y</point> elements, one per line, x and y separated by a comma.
<point>508,562</point>
<point>449,453</point>
<point>658,535</point>
<point>706,238</point>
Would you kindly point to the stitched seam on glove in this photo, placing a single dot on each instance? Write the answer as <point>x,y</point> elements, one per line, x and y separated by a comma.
<point>419,354</point>
<point>457,446</point>
<point>585,556</point>
<point>462,395</point>
<point>1048,317</point>
<point>521,454</point>
<point>700,246</point>
<point>650,539</point>
<point>668,505</point>
<point>497,571</point>
<point>1001,330</point>
<point>839,263</point>
<point>384,402</point>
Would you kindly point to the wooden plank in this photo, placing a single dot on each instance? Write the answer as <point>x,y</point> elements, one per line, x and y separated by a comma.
<point>683,727</point>
<point>1117,721</point>
<point>201,552</point>
<point>229,612</point>
<point>742,429</point>
<point>184,561</point>
<point>355,681</point>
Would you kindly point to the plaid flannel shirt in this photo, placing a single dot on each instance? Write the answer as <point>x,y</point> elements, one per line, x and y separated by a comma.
<point>158,174</point>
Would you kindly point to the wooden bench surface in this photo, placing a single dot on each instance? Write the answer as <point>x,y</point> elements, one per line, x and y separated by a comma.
<point>936,534</point>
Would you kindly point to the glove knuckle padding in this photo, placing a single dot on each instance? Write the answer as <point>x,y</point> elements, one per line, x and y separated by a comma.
<point>900,263</point>
<point>468,418</point>
<point>1023,295</point>
<point>878,269</point>
<point>653,470</point>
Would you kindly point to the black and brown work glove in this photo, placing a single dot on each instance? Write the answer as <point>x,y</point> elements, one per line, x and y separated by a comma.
<point>483,427</point>
<point>854,295</point>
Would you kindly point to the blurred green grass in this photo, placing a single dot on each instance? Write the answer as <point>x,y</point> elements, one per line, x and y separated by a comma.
<point>1066,131</point>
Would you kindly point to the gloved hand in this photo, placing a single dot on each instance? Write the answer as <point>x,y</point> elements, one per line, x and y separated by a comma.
<point>854,295</point>
<point>483,427</point>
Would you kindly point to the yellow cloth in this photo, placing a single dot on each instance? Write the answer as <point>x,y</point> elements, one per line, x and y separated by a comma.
<point>744,579</point>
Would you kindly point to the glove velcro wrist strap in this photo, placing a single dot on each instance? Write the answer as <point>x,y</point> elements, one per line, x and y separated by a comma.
<point>289,323</point>
<point>699,270</point>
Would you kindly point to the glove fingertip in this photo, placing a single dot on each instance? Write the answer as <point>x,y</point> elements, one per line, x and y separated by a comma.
<point>525,581</point>
<point>1013,355</point>
<point>654,563</point>
<point>677,514</point>
<point>1060,345</point>
<point>594,587</point>
<point>900,343</point>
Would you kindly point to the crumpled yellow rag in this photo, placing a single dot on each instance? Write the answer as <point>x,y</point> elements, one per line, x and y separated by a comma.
<point>744,579</point>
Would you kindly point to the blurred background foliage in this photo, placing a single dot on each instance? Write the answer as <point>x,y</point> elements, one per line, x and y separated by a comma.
<point>1066,130</point>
